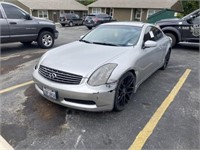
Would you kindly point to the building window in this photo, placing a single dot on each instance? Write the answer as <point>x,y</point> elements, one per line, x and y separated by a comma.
<point>151,12</point>
<point>71,11</point>
<point>96,10</point>
<point>43,14</point>
<point>138,14</point>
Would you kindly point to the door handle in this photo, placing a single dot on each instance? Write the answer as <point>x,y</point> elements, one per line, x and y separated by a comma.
<point>13,22</point>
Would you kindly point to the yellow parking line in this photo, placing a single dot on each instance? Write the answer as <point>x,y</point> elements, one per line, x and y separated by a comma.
<point>15,87</point>
<point>4,145</point>
<point>150,126</point>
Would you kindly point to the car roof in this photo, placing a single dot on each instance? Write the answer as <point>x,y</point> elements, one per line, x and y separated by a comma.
<point>97,14</point>
<point>130,23</point>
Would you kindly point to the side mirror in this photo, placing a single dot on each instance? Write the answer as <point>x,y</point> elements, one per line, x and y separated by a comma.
<point>28,17</point>
<point>149,44</point>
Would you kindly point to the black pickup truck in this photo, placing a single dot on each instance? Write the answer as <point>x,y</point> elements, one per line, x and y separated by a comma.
<point>16,25</point>
<point>186,29</point>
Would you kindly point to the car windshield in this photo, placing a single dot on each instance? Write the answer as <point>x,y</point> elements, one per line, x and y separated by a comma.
<point>114,35</point>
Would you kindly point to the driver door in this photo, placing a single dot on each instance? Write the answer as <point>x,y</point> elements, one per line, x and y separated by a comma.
<point>190,31</point>
<point>21,28</point>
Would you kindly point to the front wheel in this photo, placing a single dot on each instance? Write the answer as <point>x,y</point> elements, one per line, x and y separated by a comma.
<point>89,28</point>
<point>172,38</point>
<point>124,91</point>
<point>71,24</point>
<point>45,39</point>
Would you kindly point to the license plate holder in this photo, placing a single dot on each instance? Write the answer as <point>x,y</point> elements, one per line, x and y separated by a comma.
<point>50,93</point>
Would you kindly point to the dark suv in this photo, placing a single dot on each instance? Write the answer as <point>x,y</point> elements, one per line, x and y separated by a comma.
<point>70,19</point>
<point>93,20</point>
<point>186,29</point>
<point>16,25</point>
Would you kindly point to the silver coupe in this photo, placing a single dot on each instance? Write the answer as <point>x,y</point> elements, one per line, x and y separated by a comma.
<point>102,70</point>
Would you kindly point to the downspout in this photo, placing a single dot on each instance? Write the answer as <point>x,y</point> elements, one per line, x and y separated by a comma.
<point>131,18</point>
<point>31,11</point>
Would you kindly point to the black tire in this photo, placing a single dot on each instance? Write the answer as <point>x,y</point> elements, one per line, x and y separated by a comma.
<point>27,43</point>
<point>166,61</point>
<point>89,28</point>
<point>71,24</point>
<point>45,39</point>
<point>124,91</point>
<point>62,25</point>
<point>172,38</point>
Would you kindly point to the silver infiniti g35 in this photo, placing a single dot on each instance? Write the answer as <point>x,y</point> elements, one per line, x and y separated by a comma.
<point>102,70</point>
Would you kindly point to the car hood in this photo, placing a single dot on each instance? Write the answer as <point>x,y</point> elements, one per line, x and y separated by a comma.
<point>81,58</point>
<point>171,20</point>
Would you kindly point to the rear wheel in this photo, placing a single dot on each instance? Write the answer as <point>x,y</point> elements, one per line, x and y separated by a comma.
<point>89,28</point>
<point>124,91</point>
<point>172,38</point>
<point>45,39</point>
<point>62,25</point>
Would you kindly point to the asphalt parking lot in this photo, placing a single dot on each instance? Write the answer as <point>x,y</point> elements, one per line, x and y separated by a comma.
<point>28,121</point>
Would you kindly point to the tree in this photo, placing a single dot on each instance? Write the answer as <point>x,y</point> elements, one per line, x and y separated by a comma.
<point>86,2</point>
<point>189,6</point>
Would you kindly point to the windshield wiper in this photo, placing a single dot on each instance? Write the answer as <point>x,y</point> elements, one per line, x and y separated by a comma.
<point>85,41</point>
<point>109,44</point>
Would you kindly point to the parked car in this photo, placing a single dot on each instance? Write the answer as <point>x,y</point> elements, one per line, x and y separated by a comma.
<point>186,29</point>
<point>70,19</point>
<point>93,20</point>
<point>100,72</point>
<point>18,26</point>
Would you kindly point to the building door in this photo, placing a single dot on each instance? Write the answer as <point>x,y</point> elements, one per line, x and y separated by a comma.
<point>55,16</point>
<point>109,11</point>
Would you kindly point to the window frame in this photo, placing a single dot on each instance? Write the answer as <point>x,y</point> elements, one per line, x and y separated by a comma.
<point>96,10</point>
<point>138,12</point>
<point>43,14</point>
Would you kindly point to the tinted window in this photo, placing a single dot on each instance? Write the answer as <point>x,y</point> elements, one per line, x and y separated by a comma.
<point>157,34</point>
<point>153,34</point>
<point>148,34</point>
<point>13,12</point>
<point>102,15</point>
<point>196,20</point>
<point>89,17</point>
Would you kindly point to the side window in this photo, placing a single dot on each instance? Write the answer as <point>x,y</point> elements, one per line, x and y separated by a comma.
<point>157,34</point>
<point>1,15</point>
<point>149,35</point>
<point>196,20</point>
<point>13,12</point>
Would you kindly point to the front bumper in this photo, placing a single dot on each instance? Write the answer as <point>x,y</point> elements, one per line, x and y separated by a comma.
<point>82,97</point>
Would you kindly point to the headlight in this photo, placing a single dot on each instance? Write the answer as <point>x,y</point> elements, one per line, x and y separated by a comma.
<point>101,75</point>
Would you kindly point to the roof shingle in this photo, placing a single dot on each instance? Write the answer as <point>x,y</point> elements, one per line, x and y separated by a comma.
<point>154,4</point>
<point>53,4</point>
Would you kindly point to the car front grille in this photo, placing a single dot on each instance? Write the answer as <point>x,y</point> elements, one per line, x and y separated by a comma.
<point>59,76</point>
